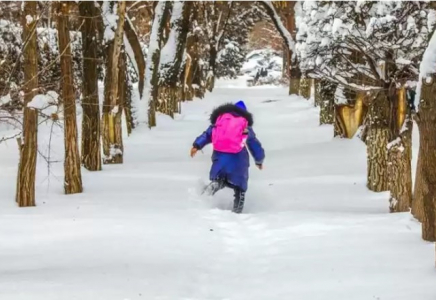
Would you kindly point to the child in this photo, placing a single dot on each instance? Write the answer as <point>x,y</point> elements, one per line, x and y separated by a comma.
<point>231,134</point>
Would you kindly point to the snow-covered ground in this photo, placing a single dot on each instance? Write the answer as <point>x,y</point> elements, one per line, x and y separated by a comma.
<point>311,230</point>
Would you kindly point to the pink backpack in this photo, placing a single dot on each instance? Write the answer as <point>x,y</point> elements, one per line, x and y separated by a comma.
<point>229,133</point>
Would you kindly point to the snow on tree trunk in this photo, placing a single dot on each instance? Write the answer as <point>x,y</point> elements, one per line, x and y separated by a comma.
<point>73,176</point>
<point>152,72</point>
<point>193,49</point>
<point>170,64</point>
<point>134,51</point>
<point>281,28</point>
<point>378,137</point>
<point>25,193</point>
<point>91,153</point>
<point>112,141</point>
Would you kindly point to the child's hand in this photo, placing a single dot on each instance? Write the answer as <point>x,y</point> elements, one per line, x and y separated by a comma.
<point>193,151</point>
<point>260,167</point>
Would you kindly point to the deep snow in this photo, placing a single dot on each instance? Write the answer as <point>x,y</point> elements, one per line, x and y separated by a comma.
<point>141,231</point>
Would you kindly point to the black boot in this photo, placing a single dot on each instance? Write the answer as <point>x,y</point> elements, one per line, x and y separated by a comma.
<point>238,204</point>
<point>214,187</point>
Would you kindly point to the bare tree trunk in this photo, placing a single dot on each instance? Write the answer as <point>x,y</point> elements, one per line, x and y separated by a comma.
<point>112,141</point>
<point>25,194</point>
<point>73,176</point>
<point>426,187</point>
<point>377,139</point>
<point>91,155</point>
<point>161,14</point>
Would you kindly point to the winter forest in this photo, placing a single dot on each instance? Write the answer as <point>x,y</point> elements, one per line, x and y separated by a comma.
<point>101,102</point>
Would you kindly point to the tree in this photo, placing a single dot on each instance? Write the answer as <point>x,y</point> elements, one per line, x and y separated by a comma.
<point>287,30</point>
<point>161,14</point>
<point>91,157</point>
<point>425,188</point>
<point>172,56</point>
<point>215,17</point>
<point>371,48</point>
<point>232,50</point>
<point>73,176</point>
<point>112,109</point>
<point>136,57</point>
<point>25,194</point>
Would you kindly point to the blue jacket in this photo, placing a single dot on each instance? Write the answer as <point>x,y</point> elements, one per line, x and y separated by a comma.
<point>233,167</point>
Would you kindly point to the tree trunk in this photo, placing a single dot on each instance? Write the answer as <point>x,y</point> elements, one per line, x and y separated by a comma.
<point>294,71</point>
<point>317,87</point>
<point>170,68</point>
<point>129,110</point>
<point>400,170</point>
<point>161,14</point>
<point>327,102</point>
<point>418,196</point>
<point>426,171</point>
<point>133,40</point>
<point>91,155</point>
<point>73,176</point>
<point>25,194</point>
<point>112,139</point>
<point>305,87</point>
<point>295,75</point>
<point>210,80</point>
<point>377,139</point>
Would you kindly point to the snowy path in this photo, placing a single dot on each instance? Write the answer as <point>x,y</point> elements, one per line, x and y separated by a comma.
<point>311,230</point>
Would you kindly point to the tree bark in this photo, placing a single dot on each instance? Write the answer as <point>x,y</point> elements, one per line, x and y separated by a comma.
<point>377,139</point>
<point>161,14</point>
<point>305,87</point>
<point>327,102</point>
<point>129,110</point>
<point>91,155</point>
<point>170,70</point>
<point>112,141</point>
<point>425,188</point>
<point>418,196</point>
<point>25,193</point>
<point>400,170</point>
<point>73,176</point>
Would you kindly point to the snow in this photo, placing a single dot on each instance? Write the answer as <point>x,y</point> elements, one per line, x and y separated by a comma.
<point>39,102</point>
<point>5,99</point>
<point>340,98</point>
<point>29,19</point>
<point>311,230</point>
<point>110,20</point>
